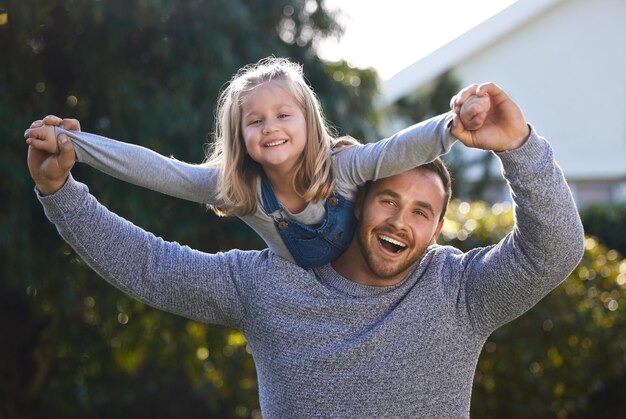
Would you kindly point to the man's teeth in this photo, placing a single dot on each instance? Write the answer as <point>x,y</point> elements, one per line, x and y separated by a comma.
<point>392,241</point>
<point>275,143</point>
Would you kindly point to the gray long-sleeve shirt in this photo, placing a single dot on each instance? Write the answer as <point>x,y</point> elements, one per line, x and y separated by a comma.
<point>411,147</point>
<point>325,346</point>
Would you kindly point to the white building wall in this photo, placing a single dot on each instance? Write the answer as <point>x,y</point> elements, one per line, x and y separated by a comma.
<point>567,70</point>
<point>564,62</point>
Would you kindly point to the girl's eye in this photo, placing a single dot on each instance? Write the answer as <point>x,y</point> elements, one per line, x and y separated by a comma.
<point>283,115</point>
<point>254,122</point>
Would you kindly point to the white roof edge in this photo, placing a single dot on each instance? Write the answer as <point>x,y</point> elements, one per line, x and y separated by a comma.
<point>457,50</point>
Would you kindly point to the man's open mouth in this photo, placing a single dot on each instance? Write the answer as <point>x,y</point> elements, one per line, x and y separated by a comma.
<point>391,245</point>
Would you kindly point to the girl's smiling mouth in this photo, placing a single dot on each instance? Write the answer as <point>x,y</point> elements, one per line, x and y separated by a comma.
<point>275,143</point>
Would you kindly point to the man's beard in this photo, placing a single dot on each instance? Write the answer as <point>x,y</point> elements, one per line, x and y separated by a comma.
<point>384,270</point>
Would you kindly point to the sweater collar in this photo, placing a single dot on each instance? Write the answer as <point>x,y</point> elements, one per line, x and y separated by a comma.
<point>329,277</point>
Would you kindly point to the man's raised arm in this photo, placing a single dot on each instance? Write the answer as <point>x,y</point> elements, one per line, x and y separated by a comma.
<point>503,281</point>
<point>166,275</point>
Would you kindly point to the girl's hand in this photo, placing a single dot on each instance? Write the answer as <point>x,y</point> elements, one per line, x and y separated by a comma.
<point>473,112</point>
<point>50,171</point>
<point>40,135</point>
<point>69,124</point>
<point>42,138</point>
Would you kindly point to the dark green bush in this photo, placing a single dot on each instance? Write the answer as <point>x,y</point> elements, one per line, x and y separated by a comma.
<point>608,223</point>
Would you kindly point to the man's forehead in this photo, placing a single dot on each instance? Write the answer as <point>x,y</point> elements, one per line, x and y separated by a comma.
<point>413,186</point>
<point>408,180</point>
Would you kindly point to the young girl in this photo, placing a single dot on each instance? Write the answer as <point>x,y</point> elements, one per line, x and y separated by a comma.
<point>274,162</point>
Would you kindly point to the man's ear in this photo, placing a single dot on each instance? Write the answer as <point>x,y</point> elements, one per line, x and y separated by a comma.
<point>437,232</point>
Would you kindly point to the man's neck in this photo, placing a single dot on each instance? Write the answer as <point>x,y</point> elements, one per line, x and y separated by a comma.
<point>351,265</point>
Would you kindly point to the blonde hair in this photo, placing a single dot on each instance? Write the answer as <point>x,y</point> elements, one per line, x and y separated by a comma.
<point>314,178</point>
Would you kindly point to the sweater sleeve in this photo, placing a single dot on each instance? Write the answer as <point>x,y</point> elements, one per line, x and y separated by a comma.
<point>503,281</point>
<point>166,275</point>
<point>413,146</point>
<point>146,168</point>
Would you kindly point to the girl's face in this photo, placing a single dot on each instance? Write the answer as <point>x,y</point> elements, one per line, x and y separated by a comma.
<point>273,127</point>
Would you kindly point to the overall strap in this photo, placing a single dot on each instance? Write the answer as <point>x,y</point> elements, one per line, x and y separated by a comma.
<point>270,203</point>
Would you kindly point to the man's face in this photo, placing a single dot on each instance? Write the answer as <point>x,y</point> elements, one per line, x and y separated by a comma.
<point>398,220</point>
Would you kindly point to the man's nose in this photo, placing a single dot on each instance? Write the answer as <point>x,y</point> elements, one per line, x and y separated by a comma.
<point>398,219</point>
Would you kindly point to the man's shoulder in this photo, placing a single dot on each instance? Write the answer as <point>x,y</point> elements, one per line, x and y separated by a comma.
<point>258,261</point>
<point>439,258</point>
<point>263,271</point>
<point>453,256</point>
<point>441,250</point>
<point>246,257</point>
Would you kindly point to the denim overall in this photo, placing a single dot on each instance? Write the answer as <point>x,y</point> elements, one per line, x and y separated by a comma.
<point>313,246</point>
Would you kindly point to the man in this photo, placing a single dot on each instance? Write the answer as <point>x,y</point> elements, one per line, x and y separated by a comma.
<point>393,327</point>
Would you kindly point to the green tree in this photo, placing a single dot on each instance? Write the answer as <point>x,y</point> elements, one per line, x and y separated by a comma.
<point>146,72</point>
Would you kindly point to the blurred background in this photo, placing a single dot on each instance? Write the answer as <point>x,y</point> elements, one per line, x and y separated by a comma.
<point>148,72</point>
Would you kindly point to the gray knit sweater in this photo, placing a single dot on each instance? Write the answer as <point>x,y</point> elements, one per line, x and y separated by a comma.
<point>325,346</point>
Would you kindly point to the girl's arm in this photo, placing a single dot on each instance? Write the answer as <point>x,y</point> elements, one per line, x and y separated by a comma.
<point>411,147</point>
<point>144,167</point>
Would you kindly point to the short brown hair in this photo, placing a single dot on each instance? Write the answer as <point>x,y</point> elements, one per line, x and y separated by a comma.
<point>437,166</point>
<point>441,169</point>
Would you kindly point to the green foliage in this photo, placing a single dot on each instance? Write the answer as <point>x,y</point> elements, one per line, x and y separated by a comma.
<point>429,101</point>
<point>608,223</point>
<point>146,72</point>
<point>551,361</point>
<point>358,90</point>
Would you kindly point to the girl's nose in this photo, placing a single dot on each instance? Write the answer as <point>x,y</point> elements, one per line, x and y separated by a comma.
<point>268,127</point>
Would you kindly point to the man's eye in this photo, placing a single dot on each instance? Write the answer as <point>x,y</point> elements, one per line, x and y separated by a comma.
<point>421,213</point>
